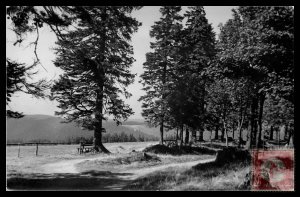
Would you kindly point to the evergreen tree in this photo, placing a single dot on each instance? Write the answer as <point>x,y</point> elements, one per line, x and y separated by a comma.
<point>195,53</point>
<point>158,67</point>
<point>96,58</point>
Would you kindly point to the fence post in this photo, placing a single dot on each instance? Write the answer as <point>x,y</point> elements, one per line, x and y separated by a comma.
<point>19,150</point>
<point>37,149</point>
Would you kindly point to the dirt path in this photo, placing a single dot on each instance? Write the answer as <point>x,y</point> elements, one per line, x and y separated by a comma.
<point>121,178</point>
<point>69,167</point>
<point>65,166</point>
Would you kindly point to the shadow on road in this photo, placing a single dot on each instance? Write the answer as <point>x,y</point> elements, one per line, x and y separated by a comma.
<point>88,180</point>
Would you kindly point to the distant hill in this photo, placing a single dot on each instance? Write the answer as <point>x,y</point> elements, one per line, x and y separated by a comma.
<point>142,127</point>
<point>134,122</point>
<point>45,127</point>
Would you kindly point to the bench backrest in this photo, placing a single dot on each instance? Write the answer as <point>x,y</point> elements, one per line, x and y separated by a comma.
<point>82,144</point>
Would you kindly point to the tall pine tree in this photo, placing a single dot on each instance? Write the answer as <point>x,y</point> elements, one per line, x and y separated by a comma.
<point>195,54</point>
<point>96,58</point>
<point>158,67</point>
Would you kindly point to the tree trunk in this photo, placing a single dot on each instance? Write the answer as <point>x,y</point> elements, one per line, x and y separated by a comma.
<point>286,133</point>
<point>181,135</point>
<point>98,128</point>
<point>233,130</point>
<point>194,135</point>
<point>253,120</point>
<point>216,133</point>
<point>240,131</point>
<point>291,138</point>
<point>161,133</point>
<point>201,135</point>
<point>203,111</point>
<point>99,100</point>
<point>271,133</point>
<point>248,143</point>
<point>163,105</point>
<point>222,134</point>
<point>261,107</point>
<point>98,142</point>
<point>226,132</point>
<point>191,140</point>
<point>187,135</point>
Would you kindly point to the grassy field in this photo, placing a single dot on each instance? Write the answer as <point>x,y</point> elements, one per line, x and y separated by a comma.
<point>122,157</point>
<point>133,161</point>
<point>28,162</point>
<point>127,168</point>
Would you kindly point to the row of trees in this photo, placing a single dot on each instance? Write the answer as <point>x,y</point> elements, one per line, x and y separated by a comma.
<point>107,138</point>
<point>242,80</point>
<point>123,137</point>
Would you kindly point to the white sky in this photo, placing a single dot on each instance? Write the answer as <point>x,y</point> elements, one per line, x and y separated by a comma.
<point>140,41</point>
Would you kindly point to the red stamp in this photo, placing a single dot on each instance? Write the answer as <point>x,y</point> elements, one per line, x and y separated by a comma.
<point>273,170</point>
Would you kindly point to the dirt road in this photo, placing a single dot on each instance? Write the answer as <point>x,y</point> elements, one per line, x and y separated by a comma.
<point>65,166</point>
<point>116,179</point>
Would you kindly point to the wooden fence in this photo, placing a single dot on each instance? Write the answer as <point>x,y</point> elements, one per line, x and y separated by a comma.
<point>34,144</point>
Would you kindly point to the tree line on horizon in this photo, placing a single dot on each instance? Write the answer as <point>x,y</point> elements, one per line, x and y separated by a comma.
<point>107,138</point>
<point>192,81</point>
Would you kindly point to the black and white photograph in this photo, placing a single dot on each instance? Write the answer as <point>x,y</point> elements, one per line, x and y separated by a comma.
<point>150,98</point>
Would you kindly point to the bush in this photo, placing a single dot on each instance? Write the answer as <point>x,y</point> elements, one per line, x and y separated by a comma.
<point>137,157</point>
<point>162,149</point>
<point>232,154</point>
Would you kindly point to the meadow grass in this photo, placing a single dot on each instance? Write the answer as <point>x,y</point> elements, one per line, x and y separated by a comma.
<point>136,160</point>
<point>226,177</point>
<point>28,162</point>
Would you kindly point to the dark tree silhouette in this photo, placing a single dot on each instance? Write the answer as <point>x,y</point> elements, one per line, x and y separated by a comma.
<point>17,76</point>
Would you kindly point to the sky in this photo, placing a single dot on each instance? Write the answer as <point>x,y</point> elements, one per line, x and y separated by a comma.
<point>140,41</point>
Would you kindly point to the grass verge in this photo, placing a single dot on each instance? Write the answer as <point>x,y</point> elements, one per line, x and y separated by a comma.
<point>211,177</point>
<point>136,160</point>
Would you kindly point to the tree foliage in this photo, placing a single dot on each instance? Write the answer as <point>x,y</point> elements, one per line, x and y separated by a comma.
<point>195,53</point>
<point>96,58</point>
<point>257,44</point>
<point>17,80</point>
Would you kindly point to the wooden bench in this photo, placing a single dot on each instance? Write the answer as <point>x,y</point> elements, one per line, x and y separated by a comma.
<point>85,148</point>
<point>170,143</point>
